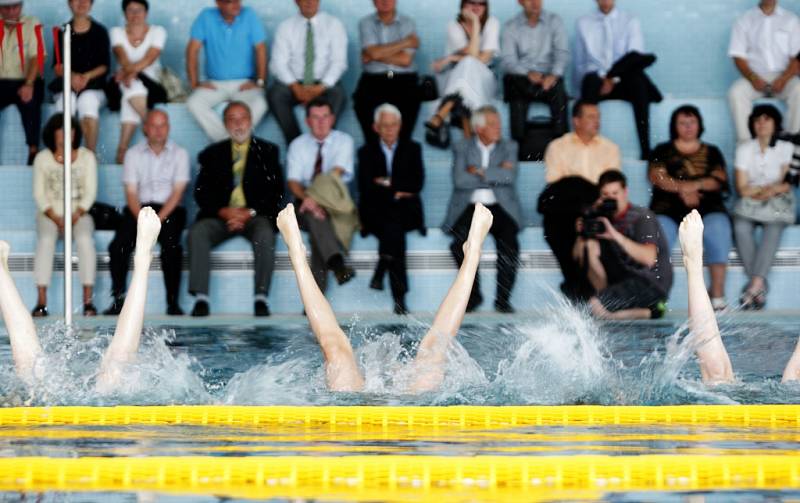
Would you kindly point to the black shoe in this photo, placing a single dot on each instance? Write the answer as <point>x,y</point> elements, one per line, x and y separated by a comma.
<point>89,309</point>
<point>260,308</point>
<point>344,274</point>
<point>437,136</point>
<point>400,308</point>
<point>115,308</point>
<point>474,302</point>
<point>174,310</point>
<point>504,306</point>
<point>376,283</point>
<point>40,311</point>
<point>200,308</point>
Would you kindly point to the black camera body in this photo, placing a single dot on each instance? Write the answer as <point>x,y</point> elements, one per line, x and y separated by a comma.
<point>793,175</point>
<point>592,225</point>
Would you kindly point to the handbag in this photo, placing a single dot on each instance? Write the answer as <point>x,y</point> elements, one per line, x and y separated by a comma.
<point>428,88</point>
<point>778,209</point>
<point>105,216</point>
<point>172,83</point>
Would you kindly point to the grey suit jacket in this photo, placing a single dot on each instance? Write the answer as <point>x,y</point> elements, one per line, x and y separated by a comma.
<point>502,180</point>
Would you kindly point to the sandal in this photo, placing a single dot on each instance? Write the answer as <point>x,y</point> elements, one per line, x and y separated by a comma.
<point>40,311</point>
<point>89,309</point>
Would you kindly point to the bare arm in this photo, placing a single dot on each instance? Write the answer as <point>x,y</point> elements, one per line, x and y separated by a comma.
<point>173,201</point>
<point>261,61</point>
<point>132,199</point>
<point>744,68</point>
<point>192,49</point>
<point>386,53</point>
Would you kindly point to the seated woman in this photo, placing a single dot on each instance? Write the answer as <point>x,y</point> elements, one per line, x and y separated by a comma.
<point>766,200</point>
<point>48,191</point>
<point>25,346</point>
<point>472,41</point>
<point>137,47</point>
<point>688,174</point>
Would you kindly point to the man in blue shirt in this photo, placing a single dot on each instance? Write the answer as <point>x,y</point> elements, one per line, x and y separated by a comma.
<point>236,64</point>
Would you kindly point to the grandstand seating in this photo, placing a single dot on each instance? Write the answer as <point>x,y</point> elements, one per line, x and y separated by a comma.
<point>689,37</point>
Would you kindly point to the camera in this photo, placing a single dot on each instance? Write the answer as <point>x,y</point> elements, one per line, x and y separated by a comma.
<point>592,225</point>
<point>793,175</point>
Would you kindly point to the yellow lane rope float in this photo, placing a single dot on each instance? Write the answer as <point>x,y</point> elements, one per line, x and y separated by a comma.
<point>401,477</point>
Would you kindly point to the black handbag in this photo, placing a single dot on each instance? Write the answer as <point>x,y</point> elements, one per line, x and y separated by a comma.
<point>105,216</point>
<point>428,88</point>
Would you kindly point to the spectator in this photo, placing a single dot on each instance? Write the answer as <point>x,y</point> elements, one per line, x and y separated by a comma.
<point>137,47</point>
<point>764,43</point>
<point>390,178</point>
<point>688,174</point>
<point>236,64</point>
<point>535,53</point>
<point>21,69</point>
<point>485,171</point>
<point>766,200</point>
<point>573,165</point>
<point>155,174</point>
<point>239,191</point>
<point>626,260</point>
<point>473,39</point>
<point>388,45</point>
<point>610,63</point>
<point>91,60</point>
<point>323,150</point>
<point>309,58</point>
<point>48,192</point>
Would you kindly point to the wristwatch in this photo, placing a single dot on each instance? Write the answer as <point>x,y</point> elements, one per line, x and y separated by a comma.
<point>253,213</point>
<point>260,82</point>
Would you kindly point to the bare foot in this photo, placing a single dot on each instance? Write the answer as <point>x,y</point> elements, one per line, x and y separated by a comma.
<point>5,249</point>
<point>481,223</point>
<point>691,237</point>
<point>147,229</point>
<point>290,230</point>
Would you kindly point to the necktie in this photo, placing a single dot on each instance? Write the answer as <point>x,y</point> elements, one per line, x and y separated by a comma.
<point>318,162</point>
<point>308,68</point>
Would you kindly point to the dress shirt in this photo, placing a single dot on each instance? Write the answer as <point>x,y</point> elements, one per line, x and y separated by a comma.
<point>10,67</point>
<point>766,42</point>
<point>48,181</point>
<point>602,39</point>
<point>374,32</point>
<point>337,152</point>
<point>154,176</point>
<point>484,196</point>
<point>330,49</point>
<point>570,156</point>
<point>542,48</point>
<point>763,168</point>
<point>389,153</point>
<point>229,46</point>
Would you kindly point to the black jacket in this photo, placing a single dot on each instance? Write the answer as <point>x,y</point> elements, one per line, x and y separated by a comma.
<point>262,179</point>
<point>408,175</point>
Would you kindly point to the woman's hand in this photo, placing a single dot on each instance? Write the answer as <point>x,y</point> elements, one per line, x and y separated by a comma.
<point>439,64</point>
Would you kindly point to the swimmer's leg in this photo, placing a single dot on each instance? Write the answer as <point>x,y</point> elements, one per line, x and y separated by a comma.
<point>429,364</point>
<point>340,363</point>
<point>792,370</point>
<point>715,365</point>
<point>25,346</point>
<point>125,344</point>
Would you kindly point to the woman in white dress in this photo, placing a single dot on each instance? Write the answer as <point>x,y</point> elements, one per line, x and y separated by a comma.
<point>473,39</point>
<point>137,47</point>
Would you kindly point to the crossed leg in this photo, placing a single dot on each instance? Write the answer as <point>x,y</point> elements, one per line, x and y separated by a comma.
<point>341,369</point>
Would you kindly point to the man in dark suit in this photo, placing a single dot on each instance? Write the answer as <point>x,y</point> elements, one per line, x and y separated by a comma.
<point>390,177</point>
<point>239,191</point>
<point>485,171</point>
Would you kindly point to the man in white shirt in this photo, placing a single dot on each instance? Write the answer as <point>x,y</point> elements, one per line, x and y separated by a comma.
<point>322,150</point>
<point>155,174</point>
<point>764,43</point>
<point>309,56</point>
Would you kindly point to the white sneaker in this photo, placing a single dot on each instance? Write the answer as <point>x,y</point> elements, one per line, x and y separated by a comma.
<point>719,304</point>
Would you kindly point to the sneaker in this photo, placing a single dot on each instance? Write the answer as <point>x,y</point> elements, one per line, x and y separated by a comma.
<point>719,304</point>
<point>89,309</point>
<point>115,308</point>
<point>658,310</point>
<point>200,308</point>
<point>40,311</point>
<point>174,310</point>
<point>260,308</point>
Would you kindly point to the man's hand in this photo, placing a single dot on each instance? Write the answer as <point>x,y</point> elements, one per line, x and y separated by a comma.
<point>611,233</point>
<point>403,195</point>
<point>205,85</point>
<point>758,83</point>
<point>25,93</point>
<point>549,82</point>
<point>311,206</point>
<point>412,41</point>
<point>607,87</point>
<point>248,85</point>
<point>301,92</point>
<point>474,170</point>
<point>536,77</point>
<point>779,83</point>
<point>383,181</point>
<point>235,218</point>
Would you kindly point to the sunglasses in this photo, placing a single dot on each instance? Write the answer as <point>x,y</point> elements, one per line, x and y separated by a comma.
<point>476,2</point>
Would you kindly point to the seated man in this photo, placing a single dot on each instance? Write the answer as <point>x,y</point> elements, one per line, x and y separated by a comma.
<point>309,56</point>
<point>764,43</point>
<point>388,46</point>
<point>610,63</point>
<point>239,191</point>
<point>485,171</point>
<point>236,64</point>
<point>390,178</point>
<point>155,174</point>
<point>323,150</point>
<point>624,255</point>
<point>22,55</point>
<point>535,52</point>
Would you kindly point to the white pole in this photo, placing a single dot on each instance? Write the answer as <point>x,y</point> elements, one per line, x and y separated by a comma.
<point>67,174</point>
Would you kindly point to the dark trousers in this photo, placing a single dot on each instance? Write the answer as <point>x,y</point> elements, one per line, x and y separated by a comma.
<point>392,250</point>
<point>31,112</point>
<point>282,102</point>
<point>520,92</point>
<point>634,89</point>
<point>399,89</point>
<point>207,233</point>
<point>504,230</point>
<point>169,238</point>
<point>560,234</point>
<point>324,245</point>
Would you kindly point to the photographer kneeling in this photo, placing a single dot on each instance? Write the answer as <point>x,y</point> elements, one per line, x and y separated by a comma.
<point>624,255</point>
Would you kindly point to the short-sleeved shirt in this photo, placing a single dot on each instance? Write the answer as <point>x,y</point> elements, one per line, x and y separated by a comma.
<point>767,43</point>
<point>457,38</point>
<point>229,47</point>
<point>155,176</point>
<point>641,225</point>
<point>337,151</point>
<point>156,37</point>
<point>569,156</point>
<point>10,66</point>
<point>374,32</point>
<point>763,168</point>
<point>90,49</point>
<point>700,164</point>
